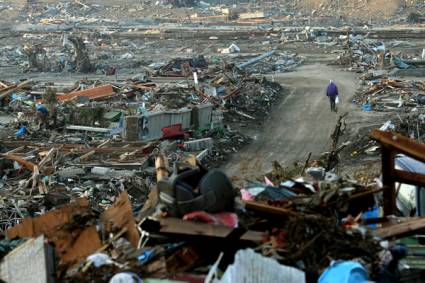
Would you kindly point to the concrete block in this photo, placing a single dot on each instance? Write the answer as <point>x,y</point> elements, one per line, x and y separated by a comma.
<point>32,261</point>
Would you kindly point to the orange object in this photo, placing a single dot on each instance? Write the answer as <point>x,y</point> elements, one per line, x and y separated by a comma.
<point>73,241</point>
<point>92,93</point>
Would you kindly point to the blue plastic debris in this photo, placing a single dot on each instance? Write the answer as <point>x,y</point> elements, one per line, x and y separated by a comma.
<point>344,272</point>
<point>21,132</point>
<point>367,107</point>
<point>145,256</point>
<point>41,108</point>
<point>371,213</point>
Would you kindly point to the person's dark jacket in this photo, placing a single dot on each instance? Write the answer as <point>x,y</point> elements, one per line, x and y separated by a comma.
<point>332,90</point>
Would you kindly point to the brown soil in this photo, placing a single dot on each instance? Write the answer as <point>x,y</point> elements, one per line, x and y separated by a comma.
<point>360,9</point>
<point>302,122</point>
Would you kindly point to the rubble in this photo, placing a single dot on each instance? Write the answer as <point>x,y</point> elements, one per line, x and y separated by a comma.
<point>318,227</point>
<point>393,95</point>
<point>118,120</point>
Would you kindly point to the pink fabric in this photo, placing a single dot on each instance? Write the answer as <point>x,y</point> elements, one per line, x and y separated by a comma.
<point>268,182</point>
<point>223,218</point>
<point>246,195</point>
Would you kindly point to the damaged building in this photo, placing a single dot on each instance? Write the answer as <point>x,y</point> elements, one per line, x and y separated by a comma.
<point>212,141</point>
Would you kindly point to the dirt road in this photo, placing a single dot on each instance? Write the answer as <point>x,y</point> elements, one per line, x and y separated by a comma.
<point>301,123</point>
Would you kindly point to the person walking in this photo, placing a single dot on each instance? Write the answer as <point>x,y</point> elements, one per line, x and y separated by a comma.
<point>332,93</point>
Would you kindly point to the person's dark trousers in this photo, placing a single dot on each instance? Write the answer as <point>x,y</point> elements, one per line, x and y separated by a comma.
<point>332,101</point>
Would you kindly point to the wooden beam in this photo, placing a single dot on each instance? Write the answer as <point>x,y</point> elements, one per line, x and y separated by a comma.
<point>25,163</point>
<point>409,178</point>
<point>18,87</point>
<point>14,144</point>
<point>401,229</point>
<point>16,149</point>
<point>388,181</point>
<point>105,143</point>
<point>126,155</point>
<point>272,210</point>
<point>88,129</point>
<point>87,155</point>
<point>161,166</point>
<point>189,228</point>
<point>95,93</point>
<point>47,158</point>
<point>400,143</point>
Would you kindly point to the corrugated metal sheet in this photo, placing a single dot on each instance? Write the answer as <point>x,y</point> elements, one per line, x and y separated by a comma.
<point>159,120</point>
<point>156,122</point>
<point>131,128</point>
<point>181,116</point>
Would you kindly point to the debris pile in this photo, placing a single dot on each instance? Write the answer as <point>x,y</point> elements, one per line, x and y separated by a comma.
<point>393,95</point>
<point>302,222</point>
<point>115,118</point>
<point>93,139</point>
<point>362,54</point>
<point>275,63</point>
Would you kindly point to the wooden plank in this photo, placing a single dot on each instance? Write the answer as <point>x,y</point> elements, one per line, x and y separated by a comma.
<point>105,143</point>
<point>87,155</point>
<point>92,93</point>
<point>12,90</point>
<point>189,228</point>
<point>16,150</point>
<point>25,163</point>
<point>120,165</point>
<point>409,178</point>
<point>120,215</point>
<point>14,144</point>
<point>71,246</point>
<point>46,159</point>
<point>3,85</point>
<point>400,143</point>
<point>161,165</point>
<point>401,229</point>
<point>88,129</point>
<point>110,150</point>
<point>388,181</point>
<point>278,211</point>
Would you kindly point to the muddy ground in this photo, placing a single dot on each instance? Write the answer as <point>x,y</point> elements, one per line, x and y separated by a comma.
<point>302,122</point>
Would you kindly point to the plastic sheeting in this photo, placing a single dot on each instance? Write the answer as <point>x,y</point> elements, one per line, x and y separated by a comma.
<point>344,272</point>
<point>250,267</point>
<point>409,164</point>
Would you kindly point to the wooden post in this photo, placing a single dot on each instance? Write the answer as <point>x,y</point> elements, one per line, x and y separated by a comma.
<point>388,181</point>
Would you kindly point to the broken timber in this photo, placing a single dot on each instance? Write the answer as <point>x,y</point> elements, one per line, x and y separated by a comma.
<point>391,144</point>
